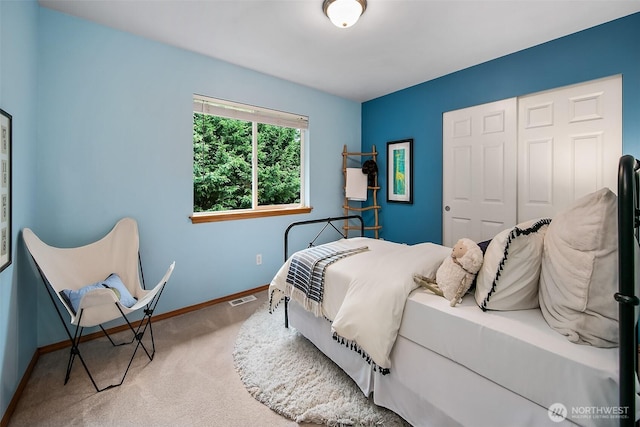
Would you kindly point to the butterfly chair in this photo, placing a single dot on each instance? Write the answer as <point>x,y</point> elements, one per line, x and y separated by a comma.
<point>83,280</point>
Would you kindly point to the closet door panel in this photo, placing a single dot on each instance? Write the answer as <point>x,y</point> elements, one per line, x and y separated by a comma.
<point>479,171</point>
<point>588,171</point>
<point>539,171</point>
<point>569,144</point>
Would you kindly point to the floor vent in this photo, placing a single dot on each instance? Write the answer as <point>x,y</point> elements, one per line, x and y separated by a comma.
<point>242,300</point>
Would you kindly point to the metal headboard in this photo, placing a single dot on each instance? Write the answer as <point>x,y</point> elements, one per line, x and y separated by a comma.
<point>329,223</point>
<point>628,222</point>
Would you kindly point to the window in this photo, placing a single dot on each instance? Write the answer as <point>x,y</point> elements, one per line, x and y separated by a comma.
<point>247,161</point>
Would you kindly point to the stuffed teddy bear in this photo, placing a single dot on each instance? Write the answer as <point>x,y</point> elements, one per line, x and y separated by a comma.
<point>456,273</point>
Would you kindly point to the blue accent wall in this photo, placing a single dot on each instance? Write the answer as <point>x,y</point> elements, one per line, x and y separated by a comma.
<point>416,112</point>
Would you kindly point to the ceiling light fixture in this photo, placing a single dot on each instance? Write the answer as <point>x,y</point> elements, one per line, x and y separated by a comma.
<point>344,13</point>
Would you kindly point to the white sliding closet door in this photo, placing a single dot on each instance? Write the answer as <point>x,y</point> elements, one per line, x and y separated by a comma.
<point>523,158</point>
<point>479,171</point>
<point>570,141</point>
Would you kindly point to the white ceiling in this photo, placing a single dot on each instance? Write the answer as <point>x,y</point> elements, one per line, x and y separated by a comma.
<point>396,43</point>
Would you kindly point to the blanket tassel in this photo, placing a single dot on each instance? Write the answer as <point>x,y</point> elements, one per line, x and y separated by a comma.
<point>355,347</point>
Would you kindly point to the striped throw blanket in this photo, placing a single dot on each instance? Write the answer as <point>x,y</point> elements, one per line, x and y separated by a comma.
<point>305,277</point>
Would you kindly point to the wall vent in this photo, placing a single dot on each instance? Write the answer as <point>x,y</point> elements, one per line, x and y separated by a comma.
<point>242,300</point>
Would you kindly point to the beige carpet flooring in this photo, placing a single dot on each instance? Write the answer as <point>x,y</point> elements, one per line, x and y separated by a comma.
<point>191,381</point>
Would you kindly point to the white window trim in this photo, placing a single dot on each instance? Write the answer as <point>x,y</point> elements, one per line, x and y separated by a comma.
<point>233,110</point>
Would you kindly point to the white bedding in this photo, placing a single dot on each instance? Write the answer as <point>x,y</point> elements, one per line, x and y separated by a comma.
<point>425,388</point>
<point>368,291</point>
<point>515,350</point>
<point>518,350</point>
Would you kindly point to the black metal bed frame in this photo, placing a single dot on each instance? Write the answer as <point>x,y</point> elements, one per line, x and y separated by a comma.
<point>628,287</point>
<point>628,237</point>
<point>328,222</point>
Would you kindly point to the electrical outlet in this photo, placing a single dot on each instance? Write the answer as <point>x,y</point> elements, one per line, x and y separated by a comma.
<point>258,259</point>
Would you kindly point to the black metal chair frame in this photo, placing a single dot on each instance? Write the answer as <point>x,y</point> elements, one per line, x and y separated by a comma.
<point>138,331</point>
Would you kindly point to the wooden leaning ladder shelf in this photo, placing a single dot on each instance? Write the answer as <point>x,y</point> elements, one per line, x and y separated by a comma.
<point>376,227</point>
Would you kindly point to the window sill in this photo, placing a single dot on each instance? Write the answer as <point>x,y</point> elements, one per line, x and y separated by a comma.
<point>201,217</point>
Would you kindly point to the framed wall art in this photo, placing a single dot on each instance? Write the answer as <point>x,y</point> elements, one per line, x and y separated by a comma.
<point>5,189</point>
<point>400,171</point>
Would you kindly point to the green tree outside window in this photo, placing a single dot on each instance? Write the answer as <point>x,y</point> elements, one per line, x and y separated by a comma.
<point>222,164</point>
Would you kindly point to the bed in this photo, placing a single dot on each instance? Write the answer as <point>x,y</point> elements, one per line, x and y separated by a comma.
<point>499,357</point>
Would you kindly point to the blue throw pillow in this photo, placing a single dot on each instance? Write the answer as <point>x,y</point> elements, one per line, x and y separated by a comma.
<point>73,297</point>
<point>115,282</point>
<point>112,282</point>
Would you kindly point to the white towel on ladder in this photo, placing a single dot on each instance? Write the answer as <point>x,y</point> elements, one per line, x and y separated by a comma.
<point>356,184</point>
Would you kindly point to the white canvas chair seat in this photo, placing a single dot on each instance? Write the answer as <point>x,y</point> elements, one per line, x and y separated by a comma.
<point>75,268</point>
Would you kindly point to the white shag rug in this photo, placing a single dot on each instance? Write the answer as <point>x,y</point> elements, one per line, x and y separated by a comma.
<point>286,372</point>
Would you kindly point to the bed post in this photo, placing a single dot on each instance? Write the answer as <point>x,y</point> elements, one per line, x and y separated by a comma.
<point>626,295</point>
<point>329,222</point>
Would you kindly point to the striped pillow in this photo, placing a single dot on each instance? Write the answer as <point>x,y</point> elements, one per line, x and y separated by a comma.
<point>510,273</point>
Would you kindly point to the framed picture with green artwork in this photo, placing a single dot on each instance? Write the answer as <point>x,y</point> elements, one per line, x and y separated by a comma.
<point>400,171</point>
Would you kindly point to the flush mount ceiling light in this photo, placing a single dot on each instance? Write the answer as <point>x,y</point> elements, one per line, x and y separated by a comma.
<point>344,13</point>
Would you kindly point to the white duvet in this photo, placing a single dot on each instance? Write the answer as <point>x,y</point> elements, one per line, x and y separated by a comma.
<point>365,294</point>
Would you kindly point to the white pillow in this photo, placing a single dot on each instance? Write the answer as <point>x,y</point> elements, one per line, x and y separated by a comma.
<point>579,274</point>
<point>508,279</point>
